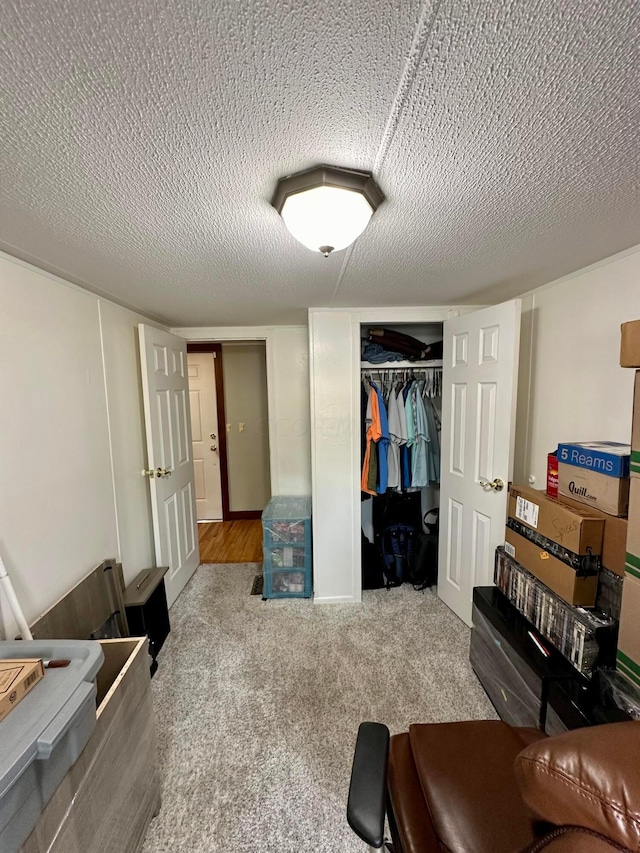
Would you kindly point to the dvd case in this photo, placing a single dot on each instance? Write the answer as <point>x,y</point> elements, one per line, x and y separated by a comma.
<point>584,636</point>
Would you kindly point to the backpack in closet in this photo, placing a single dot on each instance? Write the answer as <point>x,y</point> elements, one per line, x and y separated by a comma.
<point>396,547</point>
<point>423,571</point>
<point>372,568</point>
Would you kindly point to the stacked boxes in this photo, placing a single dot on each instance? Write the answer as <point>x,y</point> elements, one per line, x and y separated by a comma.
<point>585,638</point>
<point>629,639</point>
<point>286,524</point>
<point>595,473</point>
<point>559,544</point>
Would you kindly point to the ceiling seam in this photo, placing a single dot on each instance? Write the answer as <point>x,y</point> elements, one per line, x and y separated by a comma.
<point>428,13</point>
<point>341,274</point>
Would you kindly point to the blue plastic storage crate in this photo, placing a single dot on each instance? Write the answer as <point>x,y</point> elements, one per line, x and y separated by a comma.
<point>286,524</point>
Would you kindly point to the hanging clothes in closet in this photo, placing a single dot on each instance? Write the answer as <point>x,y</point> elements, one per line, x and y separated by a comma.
<point>374,480</point>
<point>401,439</point>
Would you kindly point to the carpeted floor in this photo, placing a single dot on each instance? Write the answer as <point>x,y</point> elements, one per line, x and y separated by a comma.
<point>258,704</point>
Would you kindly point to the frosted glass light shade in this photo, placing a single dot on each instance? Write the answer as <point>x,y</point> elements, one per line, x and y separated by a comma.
<point>327,207</point>
<point>326,217</point>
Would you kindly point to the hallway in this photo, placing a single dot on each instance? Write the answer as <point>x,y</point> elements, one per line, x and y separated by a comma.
<point>230,541</point>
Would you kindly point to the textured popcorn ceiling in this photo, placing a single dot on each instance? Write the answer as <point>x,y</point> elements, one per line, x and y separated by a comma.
<point>140,143</point>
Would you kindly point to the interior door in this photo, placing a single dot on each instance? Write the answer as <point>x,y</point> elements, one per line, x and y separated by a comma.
<point>204,435</point>
<point>479,378</point>
<point>170,464</point>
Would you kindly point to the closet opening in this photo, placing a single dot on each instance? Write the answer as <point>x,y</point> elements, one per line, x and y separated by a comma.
<point>400,418</point>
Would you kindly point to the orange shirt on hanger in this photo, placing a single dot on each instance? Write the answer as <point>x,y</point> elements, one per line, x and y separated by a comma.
<point>374,433</point>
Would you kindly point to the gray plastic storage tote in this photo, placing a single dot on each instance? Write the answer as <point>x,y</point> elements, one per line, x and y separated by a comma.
<point>44,735</point>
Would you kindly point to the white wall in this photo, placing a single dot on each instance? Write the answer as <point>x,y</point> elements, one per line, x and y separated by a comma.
<point>128,437</point>
<point>67,458</point>
<point>571,386</point>
<point>335,363</point>
<point>288,392</point>
<point>245,402</point>
<point>288,375</point>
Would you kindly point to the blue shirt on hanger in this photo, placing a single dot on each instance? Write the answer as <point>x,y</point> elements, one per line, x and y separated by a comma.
<point>405,450</point>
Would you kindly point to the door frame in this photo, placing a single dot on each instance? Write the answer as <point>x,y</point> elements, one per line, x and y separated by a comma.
<point>335,447</point>
<point>227,513</point>
<point>216,349</point>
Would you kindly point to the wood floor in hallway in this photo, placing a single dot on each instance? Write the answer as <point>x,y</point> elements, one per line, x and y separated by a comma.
<point>230,541</point>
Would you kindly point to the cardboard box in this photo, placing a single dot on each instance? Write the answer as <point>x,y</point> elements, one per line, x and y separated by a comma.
<point>633,533</point>
<point>635,429</point>
<point>17,678</point>
<point>610,494</point>
<point>577,530</point>
<point>628,658</point>
<point>552,475</point>
<point>607,457</point>
<point>614,540</point>
<point>629,637</point>
<point>630,344</point>
<point>555,574</point>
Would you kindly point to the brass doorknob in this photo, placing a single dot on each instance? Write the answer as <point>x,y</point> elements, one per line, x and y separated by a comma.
<point>497,485</point>
<point>163,472</point>
<point>147,472</point>
<point>214,446</point>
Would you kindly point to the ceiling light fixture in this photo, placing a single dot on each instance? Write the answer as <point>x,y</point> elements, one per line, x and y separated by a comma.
<point>326,208</point>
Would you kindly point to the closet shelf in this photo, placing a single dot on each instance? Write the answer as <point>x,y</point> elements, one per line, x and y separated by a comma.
<point>400,365</point>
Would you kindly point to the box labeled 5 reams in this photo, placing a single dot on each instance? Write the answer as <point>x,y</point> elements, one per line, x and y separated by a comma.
<point>595,473</point>
<point>606,457</point>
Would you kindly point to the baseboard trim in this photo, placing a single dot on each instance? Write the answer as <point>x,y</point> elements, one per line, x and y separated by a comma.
<point>334,599</point>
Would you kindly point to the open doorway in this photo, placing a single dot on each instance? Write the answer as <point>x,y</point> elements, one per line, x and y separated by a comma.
<point>230,432</point>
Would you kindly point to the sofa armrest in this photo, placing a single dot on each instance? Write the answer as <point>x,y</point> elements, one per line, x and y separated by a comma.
<point>367,802</point>
<point>588,778</point>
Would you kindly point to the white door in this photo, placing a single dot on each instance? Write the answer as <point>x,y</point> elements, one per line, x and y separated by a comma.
<point>479,378</point>
<point>170,465</point>
<point>204,435</point>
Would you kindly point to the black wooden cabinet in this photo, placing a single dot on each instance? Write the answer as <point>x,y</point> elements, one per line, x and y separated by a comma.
<point>525,675</point>
<point>145,601</point>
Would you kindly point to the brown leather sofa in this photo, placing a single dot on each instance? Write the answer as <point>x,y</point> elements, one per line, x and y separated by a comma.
<point>485,787</point>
